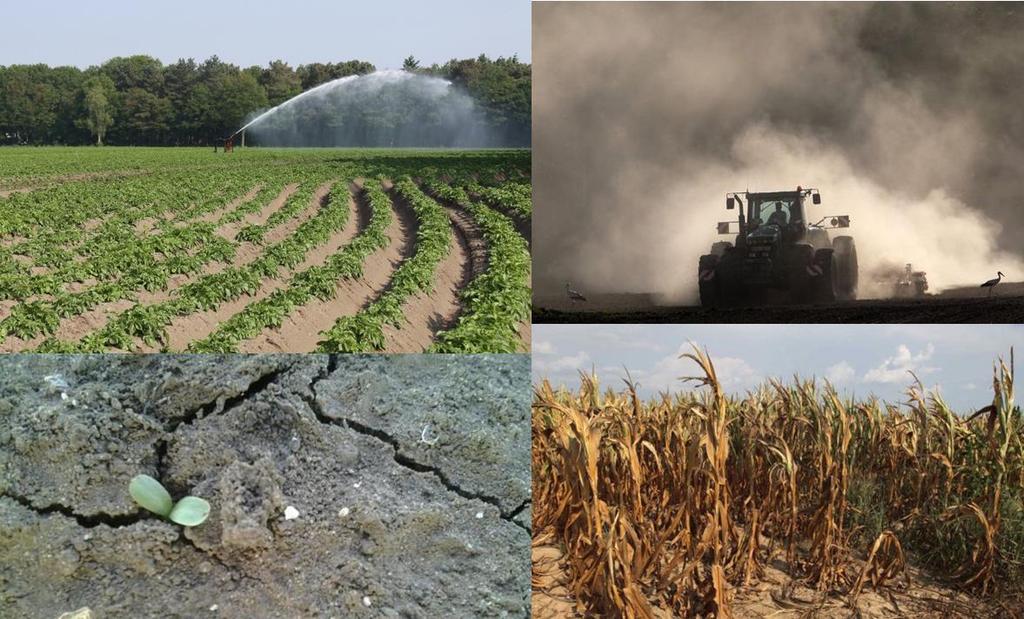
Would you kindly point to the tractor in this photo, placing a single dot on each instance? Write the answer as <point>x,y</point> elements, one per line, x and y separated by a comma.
<point>778,255</point>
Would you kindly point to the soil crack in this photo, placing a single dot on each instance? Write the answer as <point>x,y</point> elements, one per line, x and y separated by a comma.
<point>219,405</point>
<point>86,522</point>
<point>403,459</point>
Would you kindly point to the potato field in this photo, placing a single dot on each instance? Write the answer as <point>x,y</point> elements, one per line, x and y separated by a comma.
<point>264,250</point>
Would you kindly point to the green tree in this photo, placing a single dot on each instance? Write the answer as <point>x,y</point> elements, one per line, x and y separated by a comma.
<point>145,116</point>
<point>98,111</point>
<point>280,82</point>
<point>410,64</point>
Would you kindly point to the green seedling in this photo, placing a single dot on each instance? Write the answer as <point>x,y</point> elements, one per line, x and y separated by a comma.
<point>151,494</point>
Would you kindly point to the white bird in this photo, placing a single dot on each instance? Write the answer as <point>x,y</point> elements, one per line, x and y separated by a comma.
<point>991,284</point>
<point>573,294</point>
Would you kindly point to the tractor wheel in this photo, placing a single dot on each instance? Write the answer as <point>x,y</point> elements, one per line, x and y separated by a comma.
<point>801,284</point>
<point>844,261</point>
<point>707,280</point>
<point>823,276</point>
<point>729,276</point>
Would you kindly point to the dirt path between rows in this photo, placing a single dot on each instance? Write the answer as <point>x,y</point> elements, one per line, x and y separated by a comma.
<point>426,314</point>
<point>229,230</point>
<point>230,206</point>
<point>186,329</point>
<point>300,332</point>
<point>6,193</point>
<point>6,305</point>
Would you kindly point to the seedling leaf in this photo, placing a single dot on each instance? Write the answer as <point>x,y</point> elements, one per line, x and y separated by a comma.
<point>190,511</point>
<point>150,494</point>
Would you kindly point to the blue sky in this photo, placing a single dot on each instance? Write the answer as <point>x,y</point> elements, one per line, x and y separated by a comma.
<point>859,359</point>
<point>384,32</point>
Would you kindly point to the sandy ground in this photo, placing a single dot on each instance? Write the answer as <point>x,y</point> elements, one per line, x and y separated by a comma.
<point>426,314</point>
<point>196,326</point>
<point>213,216</point>
<point>301,330</point>
<point>775,594</point>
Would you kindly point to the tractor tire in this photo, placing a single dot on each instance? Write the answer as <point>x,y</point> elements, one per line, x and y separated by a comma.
<point>707,280</point>
<point>729,275</point>
<point>823,277</point>
<point>801,284</point>
<point>844,261</point>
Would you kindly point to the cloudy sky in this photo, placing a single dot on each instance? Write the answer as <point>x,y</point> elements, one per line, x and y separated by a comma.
<point>859,359</point>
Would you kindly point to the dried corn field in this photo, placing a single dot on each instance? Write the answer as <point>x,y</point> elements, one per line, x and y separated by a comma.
<point>687,505</point>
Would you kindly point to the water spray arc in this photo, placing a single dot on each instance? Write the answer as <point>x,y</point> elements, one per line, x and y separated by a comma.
<point>385,108</point>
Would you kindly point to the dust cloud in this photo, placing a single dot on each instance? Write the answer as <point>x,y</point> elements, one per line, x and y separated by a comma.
<point>646,114</point>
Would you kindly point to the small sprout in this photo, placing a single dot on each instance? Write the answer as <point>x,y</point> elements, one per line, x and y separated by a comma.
<point>151,494</point>
<point>190,511</point>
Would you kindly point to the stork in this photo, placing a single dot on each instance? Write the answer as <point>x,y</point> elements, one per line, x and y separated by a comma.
<point>991,284</point>
<point>573,295</point>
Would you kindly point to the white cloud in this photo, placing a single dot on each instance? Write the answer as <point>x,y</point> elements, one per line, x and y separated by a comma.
<point>543,347</point>
<point>579,361</point>
<point>839,373</point>
<point>895,369</point>
<point>734,373</point>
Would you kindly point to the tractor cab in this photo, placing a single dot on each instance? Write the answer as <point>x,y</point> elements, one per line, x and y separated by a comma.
<point>776,216</point>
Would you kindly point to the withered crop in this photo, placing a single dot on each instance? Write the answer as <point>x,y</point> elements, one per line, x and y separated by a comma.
<point>671,504</point>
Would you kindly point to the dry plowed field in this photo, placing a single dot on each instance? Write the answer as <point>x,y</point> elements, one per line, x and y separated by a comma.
<point>184,250</point>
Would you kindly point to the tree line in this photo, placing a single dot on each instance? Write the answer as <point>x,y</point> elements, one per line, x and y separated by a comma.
<point>139,101</point>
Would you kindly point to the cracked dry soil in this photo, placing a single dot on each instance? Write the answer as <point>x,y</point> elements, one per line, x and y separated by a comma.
<point>410,475</point>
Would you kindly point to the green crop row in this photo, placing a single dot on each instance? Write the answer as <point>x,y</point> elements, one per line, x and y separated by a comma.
<point>497,300</point>
<point>515,198</point>
<point>149,322</point>
<point>318,281</point>
<point>364,331</point>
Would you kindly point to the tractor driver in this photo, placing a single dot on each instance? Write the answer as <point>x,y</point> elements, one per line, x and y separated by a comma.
<point>779,217</point>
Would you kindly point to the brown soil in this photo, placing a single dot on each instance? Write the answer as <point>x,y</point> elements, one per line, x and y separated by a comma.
<point>145,226</point>
<point>301,330</point>
<point>74,287</point>
<point>229,231</point>
<point>426,314</point>
<point>466,227</point>
<point>778,595</point>
<point>77,327</point>
<point>5,308</point>
<point>230,206</point>
<point>186,329</point>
